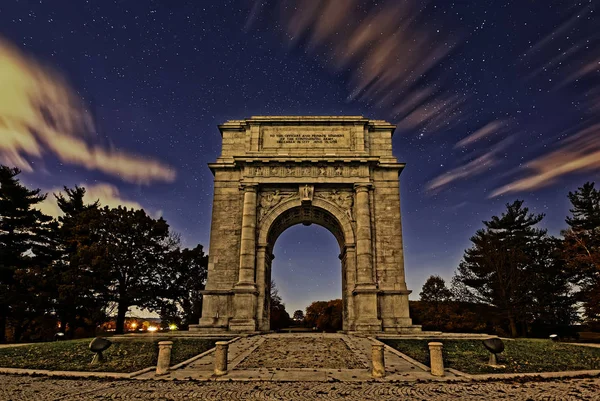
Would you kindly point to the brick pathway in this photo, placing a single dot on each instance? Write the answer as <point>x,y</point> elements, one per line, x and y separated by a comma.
<point>299,357</point>
<point>17,388</point>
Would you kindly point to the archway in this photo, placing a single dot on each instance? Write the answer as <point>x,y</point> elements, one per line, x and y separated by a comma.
<point>275,172</point>
<point>308,211</point>
<point>306,268</point>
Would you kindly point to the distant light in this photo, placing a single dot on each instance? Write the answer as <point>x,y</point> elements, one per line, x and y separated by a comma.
<point>172,326</point>
<point>133,325</point>
<point>152,328</point>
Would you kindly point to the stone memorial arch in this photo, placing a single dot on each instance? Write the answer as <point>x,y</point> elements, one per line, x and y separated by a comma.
<point>275,172</point>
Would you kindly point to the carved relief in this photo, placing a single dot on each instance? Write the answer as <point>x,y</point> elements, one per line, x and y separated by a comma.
<point>268,200</point>
<point>323,170</point>
<point>344,200</point>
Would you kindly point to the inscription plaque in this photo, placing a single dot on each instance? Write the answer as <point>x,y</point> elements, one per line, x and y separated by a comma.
<point>300,137</point>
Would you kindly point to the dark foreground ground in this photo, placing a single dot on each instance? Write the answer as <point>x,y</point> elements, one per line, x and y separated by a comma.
<point>44,388</point>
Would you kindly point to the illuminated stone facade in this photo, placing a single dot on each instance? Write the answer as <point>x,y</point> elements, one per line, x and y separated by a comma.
<point>337,172</point>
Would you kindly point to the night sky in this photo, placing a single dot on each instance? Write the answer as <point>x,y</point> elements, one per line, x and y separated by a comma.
<point>494,101</point>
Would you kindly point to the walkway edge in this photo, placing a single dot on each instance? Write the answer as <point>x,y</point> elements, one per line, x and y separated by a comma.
<point>195,358</point>
<point>67,373</point>
<point>543,375</point>
<point>401,355</point>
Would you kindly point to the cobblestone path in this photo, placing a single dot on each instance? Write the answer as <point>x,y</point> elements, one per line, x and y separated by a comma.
<point>303,352</point>
<point>44,388</point>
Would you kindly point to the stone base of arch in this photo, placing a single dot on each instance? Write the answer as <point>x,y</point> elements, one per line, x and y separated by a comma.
<point>374,311</point>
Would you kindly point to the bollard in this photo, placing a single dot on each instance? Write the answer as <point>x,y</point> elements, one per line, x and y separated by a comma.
<point>378,360</point>
<point>436,359</point>
<point>221,357</point>
<point>164,357</point>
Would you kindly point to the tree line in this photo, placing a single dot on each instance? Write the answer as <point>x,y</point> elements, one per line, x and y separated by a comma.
<point>518,278</point>
<point>74,272</point>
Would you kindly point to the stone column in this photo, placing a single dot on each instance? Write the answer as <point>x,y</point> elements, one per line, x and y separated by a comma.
<point>221,357</point>
<point>349,264</point>
<point>436,359</point>
<point>377,360</point>
<point>261,283</point>
<point>164,357</point>
<point>248,238</point>
<point>365,290</point>
<point>245,294</point>
<point>364,253</point>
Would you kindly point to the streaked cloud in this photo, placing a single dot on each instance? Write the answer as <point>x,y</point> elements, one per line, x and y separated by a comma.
<point>40,114</point>
<point>478,165</point>
<point>474,167</point>
<point>577,153</point>
<point>386,50</point>
<point>108,195</point>
<point>566,71</point>
<point>488,129</point>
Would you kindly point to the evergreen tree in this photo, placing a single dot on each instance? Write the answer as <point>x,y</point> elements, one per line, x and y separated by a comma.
<point>497,269</point>
<point>582,247</point>
<point>76,292</point>
<point>26,247</point>
<point>553,302</point>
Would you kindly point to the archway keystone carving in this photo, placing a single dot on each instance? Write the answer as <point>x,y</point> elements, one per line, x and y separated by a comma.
<point>337,172</point>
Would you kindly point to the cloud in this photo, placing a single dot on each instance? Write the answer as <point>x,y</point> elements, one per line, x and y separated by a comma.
<point>574,71</point>
<point>489,128</point>
<point>107,194</point>
<point>578,153</point>
<point>40,114</point>
<point>474,167</point>
<point>387,52</point>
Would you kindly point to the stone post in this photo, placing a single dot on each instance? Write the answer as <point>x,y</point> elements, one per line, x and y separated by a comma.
<point>364,254</point>
<point>436,359</point>
<point>248,237</point>
<point>221,357</point>
<point>164,357</point>
<point>378,360</point>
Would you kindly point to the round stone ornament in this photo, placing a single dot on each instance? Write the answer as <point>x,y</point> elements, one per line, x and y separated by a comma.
<point>494,345</point>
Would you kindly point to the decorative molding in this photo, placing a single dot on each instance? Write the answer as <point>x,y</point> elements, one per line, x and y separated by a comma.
<point>270,199</point>
<point>249,187</point>
<point>344,200</point>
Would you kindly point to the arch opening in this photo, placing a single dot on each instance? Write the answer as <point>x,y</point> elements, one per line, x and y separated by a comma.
<point>290,214</point>
<point>306,268</point>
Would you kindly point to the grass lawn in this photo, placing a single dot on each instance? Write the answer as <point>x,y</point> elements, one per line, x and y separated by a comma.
<point>519,356</point>
<point>124,355</point>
